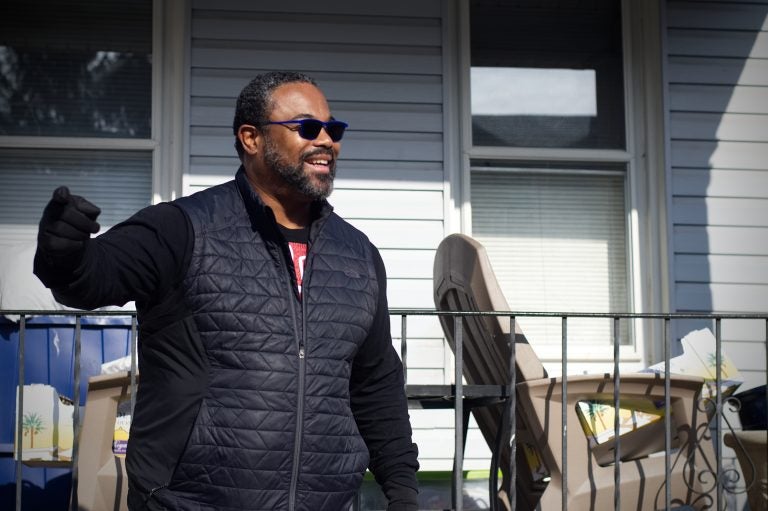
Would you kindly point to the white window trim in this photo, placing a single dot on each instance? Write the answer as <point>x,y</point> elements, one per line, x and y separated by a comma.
<point>44,142</point>
<point>647,240</point>
<point>453,130</point>
<point>169,78</point>
<point>170,103</point>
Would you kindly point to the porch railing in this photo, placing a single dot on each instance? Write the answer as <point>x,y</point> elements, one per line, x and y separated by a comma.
<point>454,393</point>
<point>722,482</point>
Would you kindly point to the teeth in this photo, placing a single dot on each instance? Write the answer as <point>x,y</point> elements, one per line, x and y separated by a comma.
<point>319,162</point>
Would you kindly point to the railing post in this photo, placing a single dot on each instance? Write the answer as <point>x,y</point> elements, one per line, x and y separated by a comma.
<point>458,417</point>
<point>564,409</point>
<point>512,489</point>
<point>667,416</point>
<point>616,418</point>
<point>73,505</point>
<point>20,410</point>
<point>718,412</point>
<point>134,365</point>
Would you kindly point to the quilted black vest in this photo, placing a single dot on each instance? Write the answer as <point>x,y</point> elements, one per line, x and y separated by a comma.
<point>274,429</point>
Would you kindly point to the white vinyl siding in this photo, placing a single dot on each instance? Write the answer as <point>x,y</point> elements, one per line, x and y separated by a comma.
<point>718,127</point>
<point>717,89</point>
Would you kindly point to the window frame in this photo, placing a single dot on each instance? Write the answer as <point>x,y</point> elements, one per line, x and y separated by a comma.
<point>646,183</point>
<point>167,138</point>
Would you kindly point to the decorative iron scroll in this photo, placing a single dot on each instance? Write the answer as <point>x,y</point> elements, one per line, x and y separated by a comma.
<point>733,480</point>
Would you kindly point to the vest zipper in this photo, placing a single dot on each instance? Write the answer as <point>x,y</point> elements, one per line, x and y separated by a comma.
<point>299,433</point>
<point>299,334</point>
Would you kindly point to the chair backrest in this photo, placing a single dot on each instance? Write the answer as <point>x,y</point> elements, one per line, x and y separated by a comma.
<point>464,281</point>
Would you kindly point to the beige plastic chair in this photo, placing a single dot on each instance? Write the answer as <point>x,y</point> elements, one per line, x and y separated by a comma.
<point>464,281</point>
<point>751,449</point>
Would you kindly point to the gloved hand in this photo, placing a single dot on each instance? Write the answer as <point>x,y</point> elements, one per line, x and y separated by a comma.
<point>67,223</point>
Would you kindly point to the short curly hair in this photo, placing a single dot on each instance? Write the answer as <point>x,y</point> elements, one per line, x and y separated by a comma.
<point>254,103</point>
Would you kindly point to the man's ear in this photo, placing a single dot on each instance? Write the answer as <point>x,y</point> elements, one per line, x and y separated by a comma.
<point>250,138</point>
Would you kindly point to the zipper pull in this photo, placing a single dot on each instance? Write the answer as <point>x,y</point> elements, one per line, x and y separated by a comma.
<point>301,352</point>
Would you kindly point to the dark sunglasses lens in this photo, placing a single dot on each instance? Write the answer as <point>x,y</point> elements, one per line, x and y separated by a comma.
<point>310,129</point>
<point>335,130</point>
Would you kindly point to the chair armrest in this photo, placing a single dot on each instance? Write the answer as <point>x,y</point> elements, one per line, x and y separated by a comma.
<point>541,401</point>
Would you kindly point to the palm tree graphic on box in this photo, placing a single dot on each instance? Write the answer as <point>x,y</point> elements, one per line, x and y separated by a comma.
<point>32,424</point>
<point>712,362</point>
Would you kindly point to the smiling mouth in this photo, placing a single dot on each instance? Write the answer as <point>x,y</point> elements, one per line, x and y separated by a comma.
<point>320,163</point>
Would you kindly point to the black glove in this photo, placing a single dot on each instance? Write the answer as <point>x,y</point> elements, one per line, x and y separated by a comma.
<point>67,223</point>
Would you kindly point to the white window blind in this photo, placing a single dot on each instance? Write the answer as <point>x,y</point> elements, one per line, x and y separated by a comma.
<point>557,244</point>
<point>119,182</point>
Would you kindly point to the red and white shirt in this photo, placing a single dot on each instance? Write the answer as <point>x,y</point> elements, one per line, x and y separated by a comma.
<point>299,256</point>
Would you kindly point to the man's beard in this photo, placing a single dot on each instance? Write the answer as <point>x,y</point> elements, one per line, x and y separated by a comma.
<point>317,189</point>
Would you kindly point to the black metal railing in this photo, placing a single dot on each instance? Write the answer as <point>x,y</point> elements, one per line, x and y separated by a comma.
<point>721,481</point>
<point>457,394</point>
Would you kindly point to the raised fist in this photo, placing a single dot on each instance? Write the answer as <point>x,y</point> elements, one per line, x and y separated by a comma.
<point>67,223</point>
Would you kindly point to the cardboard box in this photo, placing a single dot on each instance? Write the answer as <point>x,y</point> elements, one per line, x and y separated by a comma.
<point>597,417</point>
<point>46,426</point>
<point>104,436</point>
<point>699,359</point>
<point>122,427</point>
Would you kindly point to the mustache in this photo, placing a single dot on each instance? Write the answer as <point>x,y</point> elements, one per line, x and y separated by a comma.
<point>319,151</point>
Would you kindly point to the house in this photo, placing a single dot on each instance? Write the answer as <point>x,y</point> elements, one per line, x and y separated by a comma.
<point>612,155</point>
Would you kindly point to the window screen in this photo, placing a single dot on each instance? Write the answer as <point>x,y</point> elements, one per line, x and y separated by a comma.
<point>76,68</point>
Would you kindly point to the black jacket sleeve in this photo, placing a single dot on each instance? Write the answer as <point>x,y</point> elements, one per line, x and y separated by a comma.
<point>381,410</point>
<point>139,259</point>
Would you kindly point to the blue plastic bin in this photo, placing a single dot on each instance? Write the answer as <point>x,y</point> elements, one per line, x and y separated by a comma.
<point>49,358</point>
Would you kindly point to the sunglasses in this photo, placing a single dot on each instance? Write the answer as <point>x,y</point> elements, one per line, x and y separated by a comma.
<point>309,129</point>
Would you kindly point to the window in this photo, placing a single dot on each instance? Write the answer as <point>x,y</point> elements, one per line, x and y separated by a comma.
<point>547,74</point>
<point>75,108</point>
<point>549,161</point>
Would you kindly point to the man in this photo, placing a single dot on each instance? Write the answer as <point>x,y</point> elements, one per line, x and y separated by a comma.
<point>268,376</point>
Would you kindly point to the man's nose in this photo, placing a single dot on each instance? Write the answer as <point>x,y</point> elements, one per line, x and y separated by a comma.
<point>323,138</point>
